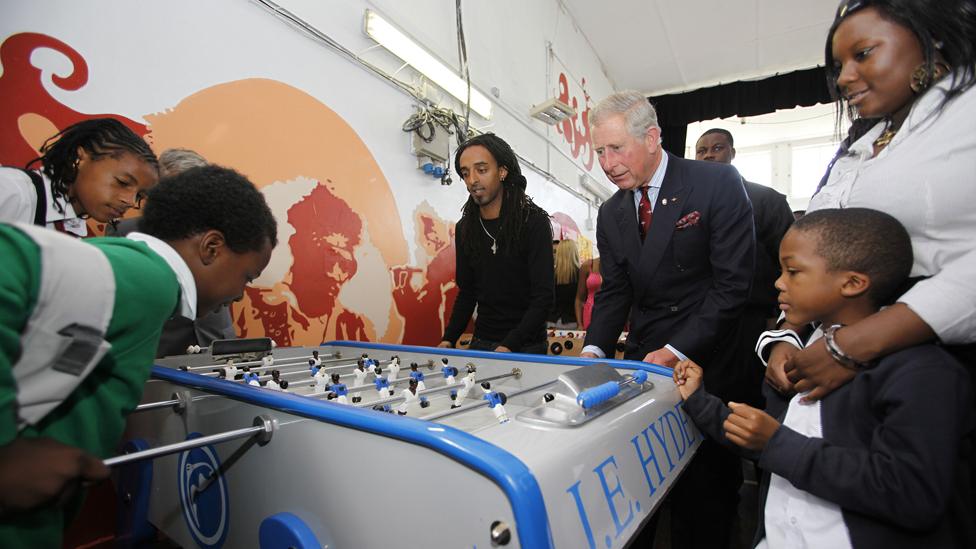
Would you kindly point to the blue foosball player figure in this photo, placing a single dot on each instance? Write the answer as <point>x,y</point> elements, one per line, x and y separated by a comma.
<point>416,374</point>
<point>382,385</point>
<point>496,401</point>
<point>339,390</point>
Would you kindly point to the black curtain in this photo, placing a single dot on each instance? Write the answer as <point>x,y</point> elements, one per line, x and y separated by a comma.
<point>752,98</point>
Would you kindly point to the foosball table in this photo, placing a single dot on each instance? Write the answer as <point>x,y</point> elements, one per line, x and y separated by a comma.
<point>365,445</point>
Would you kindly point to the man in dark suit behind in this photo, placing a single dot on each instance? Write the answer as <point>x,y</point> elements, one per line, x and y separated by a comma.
<point>773,217</point>
<point>677,250</point>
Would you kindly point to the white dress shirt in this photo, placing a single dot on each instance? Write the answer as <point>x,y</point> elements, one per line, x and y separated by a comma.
<point>926,178</point>
<point>795,519</point>
<point>18,202</point>
<point>188,286</point>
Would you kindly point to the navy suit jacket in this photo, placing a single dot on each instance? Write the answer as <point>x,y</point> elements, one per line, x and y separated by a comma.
<point>684,287</point>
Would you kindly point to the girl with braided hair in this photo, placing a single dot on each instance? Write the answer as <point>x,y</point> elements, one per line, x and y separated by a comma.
<point>96,168</point>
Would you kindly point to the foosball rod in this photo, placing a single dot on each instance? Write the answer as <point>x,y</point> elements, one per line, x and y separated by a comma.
<point>480,403</point>
<point>439,389</point>
<point>291,361</point>
<point>264,427</point>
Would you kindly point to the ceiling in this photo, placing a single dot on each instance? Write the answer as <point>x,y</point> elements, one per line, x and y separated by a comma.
<point>665,46</point>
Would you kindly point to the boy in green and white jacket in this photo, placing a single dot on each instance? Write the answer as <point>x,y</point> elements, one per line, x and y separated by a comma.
<point>79,326</point>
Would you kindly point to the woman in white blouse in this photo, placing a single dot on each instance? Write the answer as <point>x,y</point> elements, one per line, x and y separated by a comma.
<point>917,163</point>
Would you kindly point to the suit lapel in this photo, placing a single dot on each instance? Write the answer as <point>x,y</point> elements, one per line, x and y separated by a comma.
<point>667,211</point>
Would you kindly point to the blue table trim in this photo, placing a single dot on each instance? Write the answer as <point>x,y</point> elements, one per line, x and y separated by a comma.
<point>522,357</point>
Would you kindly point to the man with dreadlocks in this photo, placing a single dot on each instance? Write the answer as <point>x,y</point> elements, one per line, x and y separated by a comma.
<point>504,254</point>
<point>96,168</point>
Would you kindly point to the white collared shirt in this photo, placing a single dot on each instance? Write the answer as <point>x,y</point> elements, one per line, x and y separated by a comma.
<point>18,202</point>
<point>188,286</point>
<point>654,186</point>
<point>925,179</point>
<point>796,519</point>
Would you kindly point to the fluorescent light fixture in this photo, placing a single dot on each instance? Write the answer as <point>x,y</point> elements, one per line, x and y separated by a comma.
<point>552,112</point>
<point>416,56</point>
<point>595,188</point>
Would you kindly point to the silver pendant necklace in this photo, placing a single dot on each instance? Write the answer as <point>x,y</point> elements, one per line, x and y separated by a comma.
<point>494,243</point>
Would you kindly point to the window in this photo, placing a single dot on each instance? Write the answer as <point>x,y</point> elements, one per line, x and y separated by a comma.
<point>809,163</point>
<point>755,166</point>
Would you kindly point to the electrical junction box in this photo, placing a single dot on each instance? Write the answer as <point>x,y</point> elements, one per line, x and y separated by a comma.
<point>437,149</point>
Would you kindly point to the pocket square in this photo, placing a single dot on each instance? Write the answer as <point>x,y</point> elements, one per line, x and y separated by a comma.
<point>689,220</point>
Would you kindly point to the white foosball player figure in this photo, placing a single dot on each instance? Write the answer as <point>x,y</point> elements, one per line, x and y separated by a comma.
<point>467,383</point>
<point>360,373</point>
<point>275,381</point>
<point>321,381</point>
<point>410,396</point>
<point>417,375</point>
<point>338,391</point>
<point>496,401</point>
<point>267,361</point>
<point>283,386</point>
<point>394,368</point>
<point>230,369</point>
<point>382,384</point>
<point>315,362</point>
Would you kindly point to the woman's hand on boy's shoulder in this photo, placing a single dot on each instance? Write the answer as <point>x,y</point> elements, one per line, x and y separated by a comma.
<point>813,371</point>
<point>749,427</point>
<point>688,377</point>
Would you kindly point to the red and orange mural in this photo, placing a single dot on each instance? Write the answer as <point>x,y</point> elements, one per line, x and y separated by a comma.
<point>342,268</point>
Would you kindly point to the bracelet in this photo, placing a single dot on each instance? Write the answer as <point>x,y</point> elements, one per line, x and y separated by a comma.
<point>836,352</point>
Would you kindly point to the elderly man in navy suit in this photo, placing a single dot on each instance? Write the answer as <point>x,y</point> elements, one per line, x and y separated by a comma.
<point>677,252</point>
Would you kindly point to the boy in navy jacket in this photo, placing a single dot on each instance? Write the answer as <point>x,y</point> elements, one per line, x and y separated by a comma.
<point>884,460</point>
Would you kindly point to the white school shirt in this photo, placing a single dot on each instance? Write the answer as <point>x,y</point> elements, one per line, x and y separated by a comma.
<point>18,202</point>
<point>793,518</point>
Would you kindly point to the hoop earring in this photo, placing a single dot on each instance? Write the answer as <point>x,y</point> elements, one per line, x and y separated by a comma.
<point>922,78</point>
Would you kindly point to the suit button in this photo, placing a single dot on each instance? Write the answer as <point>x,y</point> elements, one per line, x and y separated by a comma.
<point>673,308</point>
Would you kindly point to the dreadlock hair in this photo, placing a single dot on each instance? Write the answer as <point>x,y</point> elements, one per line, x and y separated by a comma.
<point>863,240</point>
<point>99,137</point>
<point>517,207</point>
<point>210,197</point>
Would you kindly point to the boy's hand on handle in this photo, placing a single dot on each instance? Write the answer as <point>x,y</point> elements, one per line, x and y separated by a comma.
<point>688,377</point>
<point>749,427</point>
<point>39,471</point>
<point>445,344</point>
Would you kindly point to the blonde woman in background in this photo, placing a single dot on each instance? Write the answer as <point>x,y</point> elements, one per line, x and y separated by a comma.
<point>567,266</point>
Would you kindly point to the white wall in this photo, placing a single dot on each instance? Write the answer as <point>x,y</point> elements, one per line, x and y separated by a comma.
<point>146,59</point>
